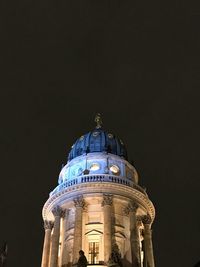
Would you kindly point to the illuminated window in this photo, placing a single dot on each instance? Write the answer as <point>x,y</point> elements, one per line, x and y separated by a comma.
<point>93,257</point>
<point>94,167</point>
<point>114,169</point>
<point>81,138</point>
<point>95,134</point>
<point>110,135</point>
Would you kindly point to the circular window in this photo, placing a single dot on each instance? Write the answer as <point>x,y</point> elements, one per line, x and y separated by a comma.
<point>110,135</point>
<point>94,167</point>
<point>95,134</point>
<point>114,169</point>
<point>81,138</point>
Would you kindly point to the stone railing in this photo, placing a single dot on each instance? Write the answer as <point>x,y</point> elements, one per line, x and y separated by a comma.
<point>97,178</point>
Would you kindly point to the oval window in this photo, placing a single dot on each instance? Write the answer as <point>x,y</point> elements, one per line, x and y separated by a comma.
<point>94,167</point>
<point>114,169</point>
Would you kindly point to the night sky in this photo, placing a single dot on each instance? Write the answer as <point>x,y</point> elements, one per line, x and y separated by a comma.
<point>133,61</point>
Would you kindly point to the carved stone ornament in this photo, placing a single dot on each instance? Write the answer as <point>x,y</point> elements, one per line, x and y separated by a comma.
<point>133,206</point>
<point>64,213</point>
<point>146,219</point>
<point>48,225</point>
<point>107,200</point>
<point>125,211</point>
<point>57,211</point>
<point>139,221</point>
<point>79,202</point>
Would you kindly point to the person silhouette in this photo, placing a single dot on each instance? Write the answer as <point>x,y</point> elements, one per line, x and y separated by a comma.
<point>82,261</point>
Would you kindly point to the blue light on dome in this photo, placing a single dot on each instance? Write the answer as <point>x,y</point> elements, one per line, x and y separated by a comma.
<point>98,140</point>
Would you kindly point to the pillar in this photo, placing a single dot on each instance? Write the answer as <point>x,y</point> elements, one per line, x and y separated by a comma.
<point>107,210</point>
<point>47,241</point>
<point>57,212</point>
<point>79,205</point>
<point>65,247</point>
<point>148,246</point>
<point>134,235</point>
<point>139,225</point>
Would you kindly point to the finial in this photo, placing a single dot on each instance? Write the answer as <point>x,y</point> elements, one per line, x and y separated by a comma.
<point>98,120</point>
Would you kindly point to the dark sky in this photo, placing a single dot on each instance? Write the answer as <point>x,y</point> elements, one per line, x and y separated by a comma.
<point>136,63</point>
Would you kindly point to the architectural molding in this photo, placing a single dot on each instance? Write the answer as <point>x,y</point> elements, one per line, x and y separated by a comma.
<point>125,211</point>
<point>65,213</point>
<point>57,211</point>
<point>79,202</point>
<point>91,188</point>
<point>48,225</point>
<point>139,220</point>
<point>107,199</point>
<point>133,206</point>
<point>146,219</point>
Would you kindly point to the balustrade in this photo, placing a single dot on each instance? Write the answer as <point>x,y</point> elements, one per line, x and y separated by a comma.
<point>97,178</point>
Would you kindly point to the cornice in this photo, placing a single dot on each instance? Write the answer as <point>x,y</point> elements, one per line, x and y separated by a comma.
<point>68,194</point>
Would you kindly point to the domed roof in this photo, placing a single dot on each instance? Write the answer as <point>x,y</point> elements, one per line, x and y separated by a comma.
<point>98,140</point>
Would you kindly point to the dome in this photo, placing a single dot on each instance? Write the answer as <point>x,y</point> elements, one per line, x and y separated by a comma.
<point>98,140</point>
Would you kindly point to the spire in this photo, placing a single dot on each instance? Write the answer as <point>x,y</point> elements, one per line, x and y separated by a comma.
<point>98,120</point>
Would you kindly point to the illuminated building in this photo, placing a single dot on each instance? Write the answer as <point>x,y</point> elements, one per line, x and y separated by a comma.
<point>98,207</point>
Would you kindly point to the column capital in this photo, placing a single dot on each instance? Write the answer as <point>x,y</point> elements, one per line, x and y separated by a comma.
<point>107,200</point>
<point>146,219</point>
<point>79,202</point>
<point>133,206</point>
<point>125,211</point>
<point>57,211</point>
<point>139,220</point>
<point>64,213</point>
<point>48,225</point>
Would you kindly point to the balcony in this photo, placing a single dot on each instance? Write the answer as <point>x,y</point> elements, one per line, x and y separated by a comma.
<point>97,178</point>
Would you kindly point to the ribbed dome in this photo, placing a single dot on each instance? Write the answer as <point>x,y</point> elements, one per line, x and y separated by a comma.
<point>98,140</point>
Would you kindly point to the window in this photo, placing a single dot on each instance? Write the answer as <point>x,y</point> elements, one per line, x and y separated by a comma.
<point>93,257</point>
<point>94,167</point>
<point>115,169</point>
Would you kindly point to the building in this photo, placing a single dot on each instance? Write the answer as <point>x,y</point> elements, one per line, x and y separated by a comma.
<point>98,207</point>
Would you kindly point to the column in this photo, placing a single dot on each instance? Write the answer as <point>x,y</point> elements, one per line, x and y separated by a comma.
<point>134,235</point>
<point>65,247</point>
<point>107,209</point>
<point>126,224</point>
<point>47,241</point>
<point>57,212</point>
<point>148,246</point>
<point>79,205</point>
<point>139,225</point>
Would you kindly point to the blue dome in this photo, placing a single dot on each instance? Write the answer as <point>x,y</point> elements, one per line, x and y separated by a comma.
<point>98,141</point>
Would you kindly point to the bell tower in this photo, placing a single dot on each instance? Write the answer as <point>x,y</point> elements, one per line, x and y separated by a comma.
<point>98,207</point>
